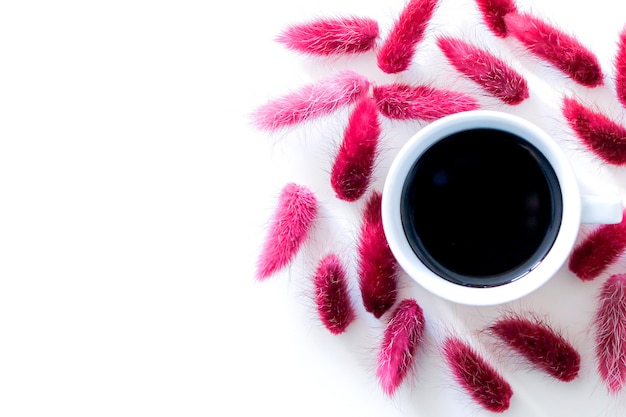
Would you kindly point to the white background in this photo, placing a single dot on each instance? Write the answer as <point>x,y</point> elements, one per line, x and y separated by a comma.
<point>134,198</point>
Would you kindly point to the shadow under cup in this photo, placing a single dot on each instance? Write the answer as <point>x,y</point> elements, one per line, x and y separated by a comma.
<point>481,207</point>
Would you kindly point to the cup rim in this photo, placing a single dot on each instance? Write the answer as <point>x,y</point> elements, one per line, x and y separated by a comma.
<point>444,127</point>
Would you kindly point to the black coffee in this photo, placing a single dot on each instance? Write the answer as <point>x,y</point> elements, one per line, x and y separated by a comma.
<point>481,207</point>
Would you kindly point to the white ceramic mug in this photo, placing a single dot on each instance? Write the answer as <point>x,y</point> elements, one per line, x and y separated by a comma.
<point>574,210</point>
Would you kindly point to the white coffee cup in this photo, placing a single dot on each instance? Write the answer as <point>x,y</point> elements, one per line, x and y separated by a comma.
<point>575,209</point>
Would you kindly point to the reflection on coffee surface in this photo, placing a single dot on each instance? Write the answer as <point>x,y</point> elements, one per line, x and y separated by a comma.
<point>481,207</point>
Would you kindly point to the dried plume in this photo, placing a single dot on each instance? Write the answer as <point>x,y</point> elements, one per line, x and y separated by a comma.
<point>405,102</point>
<point>378,269</point>
<point>620,68</point>
<point>290,224</point>
<point>331,295</point>
<point>560,49</point>
<point>354,163</point>
<point>602,136</point>
<point>311,101</point>
<point>493,12</point>
<point>338,36</point>
<point>601,249</point>
<point>539,344</point>
<point>398,48</point>
<point>494,75</point>
<point>400,342</point>
<point>479,379</point>
<point>610,322</point>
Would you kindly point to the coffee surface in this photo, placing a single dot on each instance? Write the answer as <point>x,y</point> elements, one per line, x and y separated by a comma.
<point>481,207</point>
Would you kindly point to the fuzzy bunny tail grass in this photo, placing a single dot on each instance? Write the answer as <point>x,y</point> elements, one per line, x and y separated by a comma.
<point>325,37</point>
<point>539,344</point>
<point>479,379</point>
<point>290,224</point>
<point>405,102</point>
<point>620,68</point>
<point>598,251</point>
<point>400,343</point>
<point>311,101</point>
<point>378,269</point>
<point>397,50</point>
<point>493,12</point>
<point>354,163</point>
<point>331,295</point>
<point>561,50</point>
<point>602,136</point>
<point>491,73</point>
<point>610,321</point>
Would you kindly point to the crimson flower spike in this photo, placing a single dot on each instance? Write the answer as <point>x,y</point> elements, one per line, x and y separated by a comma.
<point>404,102</point>
<point>400,342</point>
<point>556,47</point>
<point>311,101</point>
<point>540,345</point>
<point>397,50</point>
<point>479,379</point>
<point>490,72</point>
<point>599,134</point>
<point>324,37</point>
<point>493,12</point>
<point>331,295</point>
<point>292,219</point>
<point>354,163</point>
<point>599,250</point>
<point>378,269</point>
<point>610,321</point>
<point>620,68</point>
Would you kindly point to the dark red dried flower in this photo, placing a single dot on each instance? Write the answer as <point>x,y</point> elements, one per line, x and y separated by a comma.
<point>378,269</point>
<point>405,102</point>
<point>493,12</point>
<point>561,50</point>
<point>346,35</point>
<point>292,219</point>
<point>599,250</point>
<point>331,295</point>
<point>479,379</point>
<point>610,321</point>
<point>311,101</point>
<point>354,163</point>
<point>602,136</point>
<point>397,50</point>
<point>401,340</point>
<point>494,75</point>
<point>540,345</point>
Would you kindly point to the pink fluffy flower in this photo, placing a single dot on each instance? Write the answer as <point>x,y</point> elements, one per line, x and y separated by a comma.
<point>479,379</point>
<point>311,101</point>
<point>493,12</point>
<point>378,269</point>
<point>331,295</point>
<point>296,210</point>
<point>599,134</point>
<point>397,51</point>
<point>556,47</point>
<point>347,35</point>
<point>401,340</point>
<point>620,68</point>
<point>354,163</point>
<point>540,345</point>
<point>404,102</point>
<point>610,321</point>
<point>599,250</point>
<point>490,72</point>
